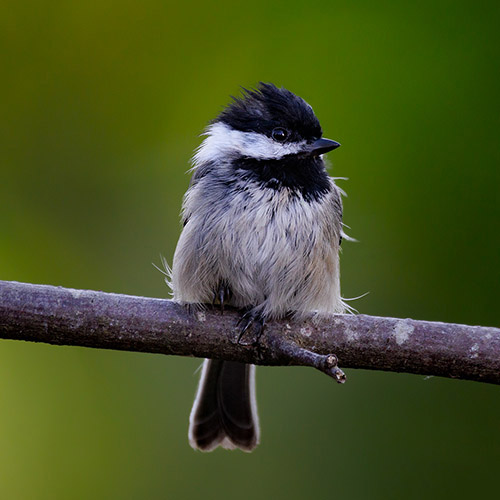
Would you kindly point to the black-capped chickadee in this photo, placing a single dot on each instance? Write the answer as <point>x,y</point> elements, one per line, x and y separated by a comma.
<point>262,230</point>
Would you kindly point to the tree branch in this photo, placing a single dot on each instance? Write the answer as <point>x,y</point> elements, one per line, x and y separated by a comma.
<point>62,316</point>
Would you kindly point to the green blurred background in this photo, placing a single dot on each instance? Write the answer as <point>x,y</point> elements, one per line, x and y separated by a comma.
<point>101,105</point>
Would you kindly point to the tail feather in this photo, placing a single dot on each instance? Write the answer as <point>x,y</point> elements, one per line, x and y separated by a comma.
<point>224,412</point>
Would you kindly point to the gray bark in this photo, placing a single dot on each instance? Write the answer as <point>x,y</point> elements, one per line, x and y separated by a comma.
<point>62,316</point>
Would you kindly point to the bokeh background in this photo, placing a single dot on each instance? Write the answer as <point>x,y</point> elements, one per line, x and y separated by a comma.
<point>101,104</point>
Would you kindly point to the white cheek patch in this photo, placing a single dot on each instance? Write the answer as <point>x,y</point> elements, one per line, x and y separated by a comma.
<point>222,142</point>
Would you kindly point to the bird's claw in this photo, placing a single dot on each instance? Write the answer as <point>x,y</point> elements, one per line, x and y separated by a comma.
<point>250,319</point>
<point>222,294</point>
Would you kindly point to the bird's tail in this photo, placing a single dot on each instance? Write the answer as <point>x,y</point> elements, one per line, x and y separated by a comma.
<point>225,411</point>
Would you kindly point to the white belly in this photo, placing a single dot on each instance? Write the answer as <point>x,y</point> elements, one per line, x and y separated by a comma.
<point>275,252</point>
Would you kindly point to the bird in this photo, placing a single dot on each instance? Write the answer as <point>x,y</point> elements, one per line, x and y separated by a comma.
<point>262,228</point>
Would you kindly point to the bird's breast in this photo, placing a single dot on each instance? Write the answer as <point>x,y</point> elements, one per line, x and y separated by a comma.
<point>275,242</point>
<point>270,247</point>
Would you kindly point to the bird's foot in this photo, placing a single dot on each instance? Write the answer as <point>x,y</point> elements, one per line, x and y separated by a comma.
<point>222,294</point>
<point>251,320</point>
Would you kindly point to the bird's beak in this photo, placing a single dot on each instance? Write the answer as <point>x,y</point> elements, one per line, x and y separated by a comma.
<point>322,146</point>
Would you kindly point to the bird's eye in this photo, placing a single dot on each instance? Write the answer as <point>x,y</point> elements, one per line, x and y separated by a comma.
<point>279,134</point>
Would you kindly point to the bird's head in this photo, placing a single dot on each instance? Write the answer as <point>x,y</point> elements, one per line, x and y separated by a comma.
<point>269,137</point>
<point>268,123</point>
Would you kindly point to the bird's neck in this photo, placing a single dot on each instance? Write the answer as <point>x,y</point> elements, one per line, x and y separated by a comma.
<point>306,176</point>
